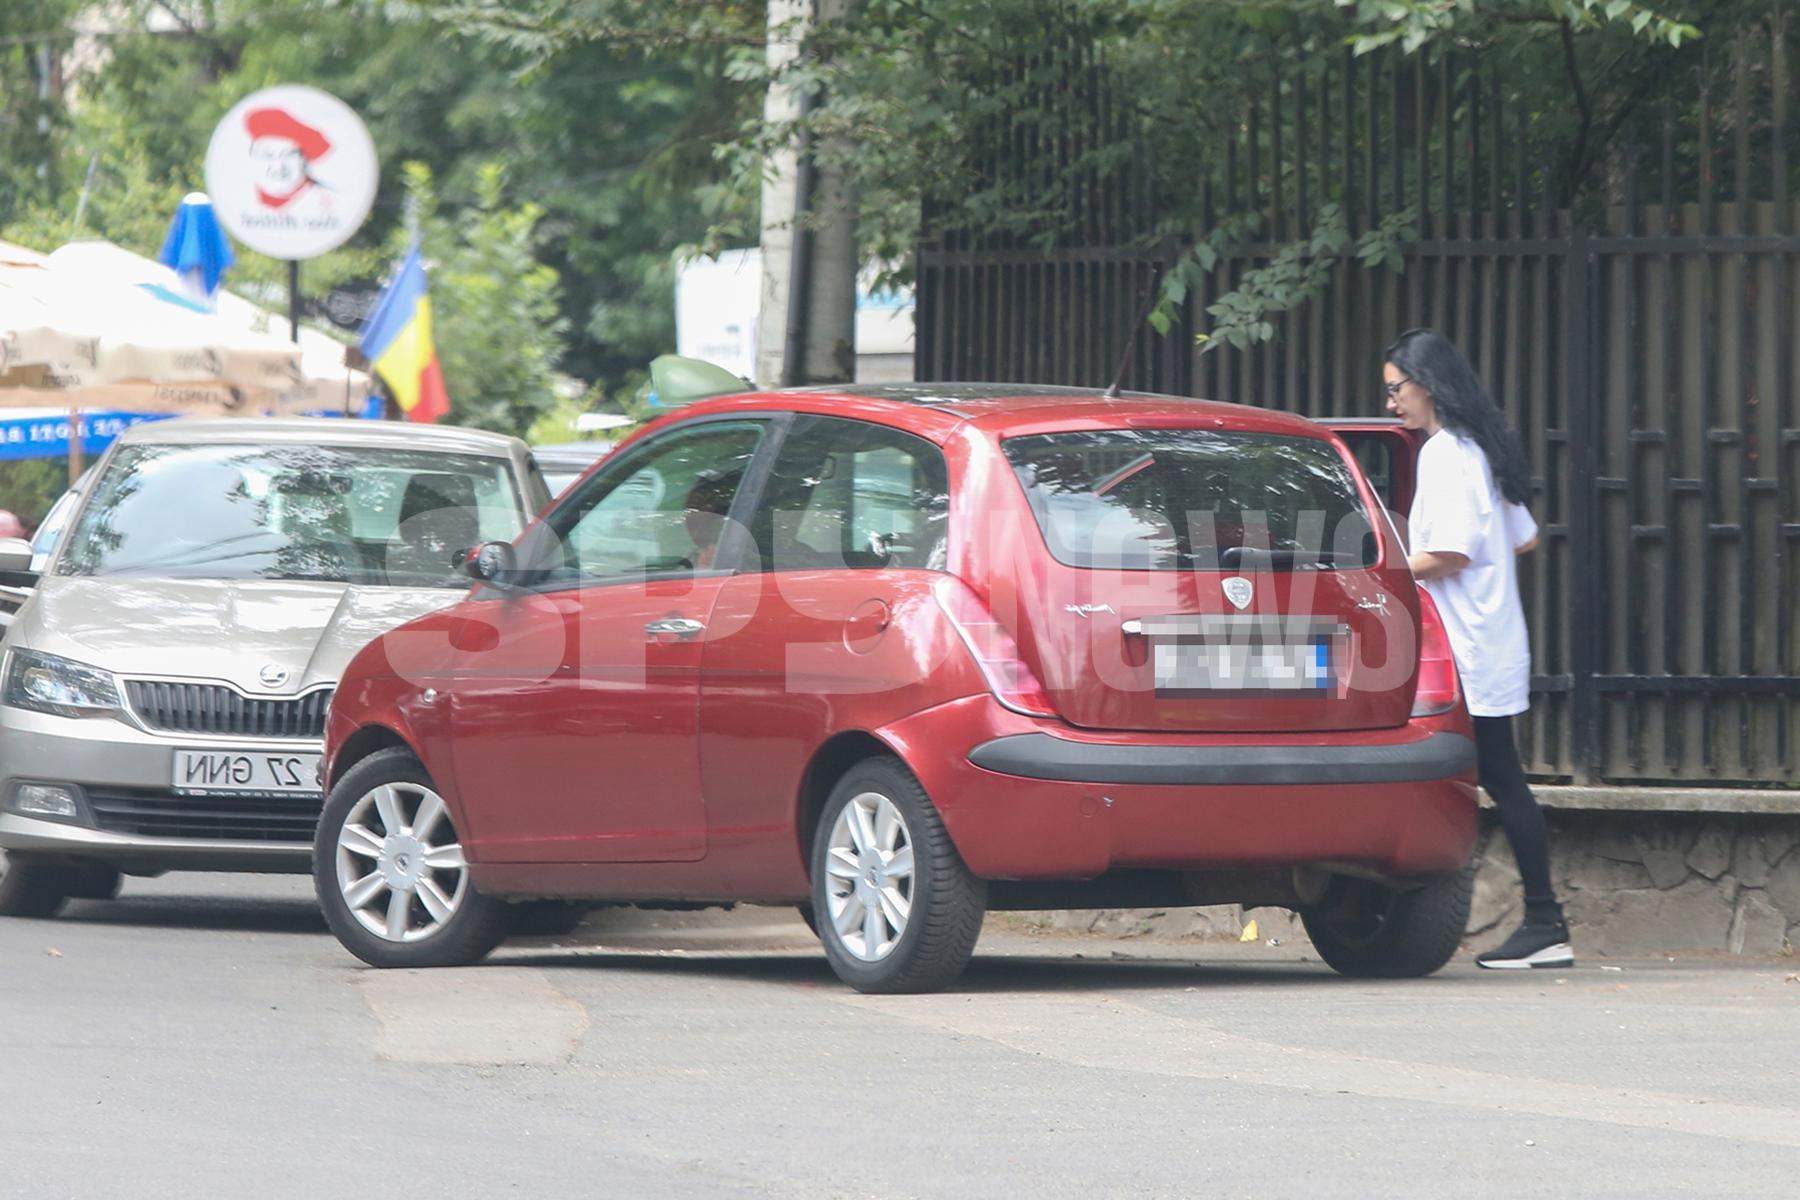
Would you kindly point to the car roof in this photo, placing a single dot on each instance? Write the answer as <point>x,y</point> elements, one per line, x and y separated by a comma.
<point>935,410</point>
<point>571,453</point>
<point>325,431</point>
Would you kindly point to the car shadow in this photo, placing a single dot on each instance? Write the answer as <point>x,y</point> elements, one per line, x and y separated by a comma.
<point>992,974</point>
<point>232,914</point>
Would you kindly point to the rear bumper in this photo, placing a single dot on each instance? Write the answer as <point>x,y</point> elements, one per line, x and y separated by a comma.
<point>1026,799</point>
<point>1040,756</point>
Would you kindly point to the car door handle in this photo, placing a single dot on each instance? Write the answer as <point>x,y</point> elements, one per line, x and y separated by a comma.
<point>674,626</point>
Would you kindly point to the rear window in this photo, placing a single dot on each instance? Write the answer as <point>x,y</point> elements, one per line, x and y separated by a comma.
<point>1169,499</point>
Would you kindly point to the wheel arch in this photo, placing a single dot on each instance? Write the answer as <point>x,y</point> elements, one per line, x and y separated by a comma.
<point>370,739</point>
<point>834,757</point>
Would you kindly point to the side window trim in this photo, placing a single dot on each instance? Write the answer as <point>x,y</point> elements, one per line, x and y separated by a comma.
<point>761,462</point>
<point>738,552</point>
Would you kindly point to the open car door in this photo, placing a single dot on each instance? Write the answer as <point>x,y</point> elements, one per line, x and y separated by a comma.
<point>1389,455</point>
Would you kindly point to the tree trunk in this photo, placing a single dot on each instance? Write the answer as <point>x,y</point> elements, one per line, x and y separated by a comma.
<point>806,330</point>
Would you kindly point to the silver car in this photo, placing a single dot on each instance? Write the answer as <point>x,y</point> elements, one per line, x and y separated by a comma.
<point>163,691</point>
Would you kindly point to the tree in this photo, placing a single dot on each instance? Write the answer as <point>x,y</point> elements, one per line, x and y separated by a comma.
<point>915,92</point>
<point>31,112</point>
<point>495,317</point>
<point>613,145</point>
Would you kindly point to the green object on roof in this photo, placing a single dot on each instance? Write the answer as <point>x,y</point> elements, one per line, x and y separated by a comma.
<point>676,380</point>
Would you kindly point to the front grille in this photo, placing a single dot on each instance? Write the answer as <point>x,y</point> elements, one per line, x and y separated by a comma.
<point>213,708</point>
<point>149,813</point>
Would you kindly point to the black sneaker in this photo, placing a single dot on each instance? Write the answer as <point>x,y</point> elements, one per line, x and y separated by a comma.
<point>1533,944</point>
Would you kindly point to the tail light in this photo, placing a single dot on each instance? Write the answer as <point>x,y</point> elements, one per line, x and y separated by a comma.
<point>1008,676</point>
<point>1439,688</point>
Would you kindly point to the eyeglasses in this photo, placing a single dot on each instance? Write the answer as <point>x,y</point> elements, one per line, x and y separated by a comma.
<point>1393,389</point>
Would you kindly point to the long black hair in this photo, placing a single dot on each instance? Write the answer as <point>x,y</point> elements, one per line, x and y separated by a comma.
<point>1429,359</point>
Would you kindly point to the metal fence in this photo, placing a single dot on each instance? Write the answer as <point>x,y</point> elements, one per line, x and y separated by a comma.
<point>1642,345</point>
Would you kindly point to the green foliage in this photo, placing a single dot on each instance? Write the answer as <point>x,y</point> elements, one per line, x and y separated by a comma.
<point>557,423</point>
<point>495,318</point>
<point>1296,272</point>
<point>636,128</point>
<point>612,140</point>
<point>28,487</point>
<point>31,123</point>
<point>1415,23</point>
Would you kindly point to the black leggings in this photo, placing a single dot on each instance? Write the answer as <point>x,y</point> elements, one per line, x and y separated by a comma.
<point>1504,779</point>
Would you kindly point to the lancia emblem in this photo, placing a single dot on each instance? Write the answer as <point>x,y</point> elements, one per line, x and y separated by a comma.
<point>1238,590</point>
<point>273,675</point>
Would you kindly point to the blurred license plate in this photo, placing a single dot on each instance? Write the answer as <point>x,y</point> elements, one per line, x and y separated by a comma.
<point>237,771</point>
<point>1242,666</point>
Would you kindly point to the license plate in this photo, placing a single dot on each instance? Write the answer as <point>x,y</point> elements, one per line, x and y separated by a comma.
<point>244,771</point>
<point>1205,667</point>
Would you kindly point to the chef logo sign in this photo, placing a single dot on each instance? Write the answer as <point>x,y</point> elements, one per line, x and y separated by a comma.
<point>291,171</point>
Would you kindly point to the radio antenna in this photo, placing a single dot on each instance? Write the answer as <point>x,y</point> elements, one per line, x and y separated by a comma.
<point>1146,303</point>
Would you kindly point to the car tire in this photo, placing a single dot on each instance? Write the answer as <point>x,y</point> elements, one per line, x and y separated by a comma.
<point>1368,930</point>
<point>944,903</point>
<point>32,885</point>
<point>384,818</point>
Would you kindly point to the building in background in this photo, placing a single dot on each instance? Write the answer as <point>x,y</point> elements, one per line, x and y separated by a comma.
<point>716,304</point>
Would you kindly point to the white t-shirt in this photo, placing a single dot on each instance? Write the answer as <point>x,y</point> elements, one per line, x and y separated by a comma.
<point>1458,510</point>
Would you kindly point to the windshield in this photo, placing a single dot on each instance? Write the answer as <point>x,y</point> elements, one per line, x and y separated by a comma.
<point>1166,499</point>
<point>363,515</point>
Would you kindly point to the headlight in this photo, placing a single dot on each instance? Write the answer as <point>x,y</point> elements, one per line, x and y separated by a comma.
<point>48,684</point>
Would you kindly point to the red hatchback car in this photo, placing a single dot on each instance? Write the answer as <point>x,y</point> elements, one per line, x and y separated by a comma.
<point>903,654</point>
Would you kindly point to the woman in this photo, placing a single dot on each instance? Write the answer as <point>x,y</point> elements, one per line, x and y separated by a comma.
<point>1468,522</point>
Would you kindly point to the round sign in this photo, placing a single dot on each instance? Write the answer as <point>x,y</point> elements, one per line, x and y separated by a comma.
<point>291,171</point>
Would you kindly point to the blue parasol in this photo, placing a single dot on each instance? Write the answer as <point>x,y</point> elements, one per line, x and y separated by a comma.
<point>196,248</point>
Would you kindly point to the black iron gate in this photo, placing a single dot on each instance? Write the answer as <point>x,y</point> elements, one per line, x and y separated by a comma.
<point>1644,349</point>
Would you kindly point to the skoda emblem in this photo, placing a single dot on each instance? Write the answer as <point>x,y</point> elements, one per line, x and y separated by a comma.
<point>273,675</point>
<point>1238,590</point>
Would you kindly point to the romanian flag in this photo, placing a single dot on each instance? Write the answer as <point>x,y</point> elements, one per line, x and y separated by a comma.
<point>397,340</point>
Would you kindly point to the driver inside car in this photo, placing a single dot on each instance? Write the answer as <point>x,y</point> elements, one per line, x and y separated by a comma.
<point>704,512</point>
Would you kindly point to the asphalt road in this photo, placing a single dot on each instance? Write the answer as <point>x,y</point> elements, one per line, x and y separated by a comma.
<point>204,1036</point>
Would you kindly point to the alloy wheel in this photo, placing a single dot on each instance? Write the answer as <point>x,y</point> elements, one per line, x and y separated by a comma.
<point>869,876</point>
<point>400,867</point>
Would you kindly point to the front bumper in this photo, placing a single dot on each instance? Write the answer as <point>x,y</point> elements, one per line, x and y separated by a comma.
<point>121,776</point>
<point>1029,799</point>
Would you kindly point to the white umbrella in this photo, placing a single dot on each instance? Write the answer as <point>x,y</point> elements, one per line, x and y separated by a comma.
<point>65,329</point>
<point>91,341</point>
<point>330,384</point>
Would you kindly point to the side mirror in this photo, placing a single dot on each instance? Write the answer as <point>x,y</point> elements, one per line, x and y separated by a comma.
<point>15,563</point>
<point>490,562</point>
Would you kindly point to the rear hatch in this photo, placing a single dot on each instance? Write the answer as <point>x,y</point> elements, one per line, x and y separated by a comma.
<point>1211,580</point>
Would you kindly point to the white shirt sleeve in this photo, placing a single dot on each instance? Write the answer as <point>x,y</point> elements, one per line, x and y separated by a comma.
<point>1520,527</point>
<point>1451,517</point>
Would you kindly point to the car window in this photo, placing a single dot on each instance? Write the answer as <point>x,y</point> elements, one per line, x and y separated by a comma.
<point>379,500</point>
<point>662,508</point>
<point>851,494</point>
<point>1375,455</point>
<point>360,515</point>
<point>1166,499</point>
<point>49,531</point>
